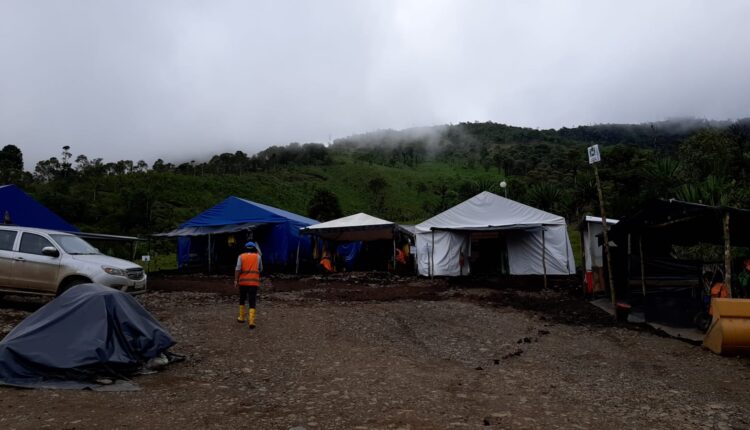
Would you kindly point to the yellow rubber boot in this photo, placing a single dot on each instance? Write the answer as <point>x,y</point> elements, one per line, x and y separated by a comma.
<point>241,317</point>
<point>251,318</point>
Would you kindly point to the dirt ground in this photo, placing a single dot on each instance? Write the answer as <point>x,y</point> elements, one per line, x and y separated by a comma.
<point>377,352</point>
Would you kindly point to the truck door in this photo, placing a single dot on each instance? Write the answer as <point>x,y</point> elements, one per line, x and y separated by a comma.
<point>7,239</point>
<point>32,269</point>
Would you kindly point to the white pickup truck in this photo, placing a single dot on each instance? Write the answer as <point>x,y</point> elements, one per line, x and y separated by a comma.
<point>48,262</point>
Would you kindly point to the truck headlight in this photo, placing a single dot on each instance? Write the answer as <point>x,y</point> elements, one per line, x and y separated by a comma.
<point>114,271</point>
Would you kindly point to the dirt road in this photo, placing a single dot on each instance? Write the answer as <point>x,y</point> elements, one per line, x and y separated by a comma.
<point>363,353</point>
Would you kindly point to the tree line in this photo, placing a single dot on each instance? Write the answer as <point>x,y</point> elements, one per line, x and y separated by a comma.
<point>436,167</point>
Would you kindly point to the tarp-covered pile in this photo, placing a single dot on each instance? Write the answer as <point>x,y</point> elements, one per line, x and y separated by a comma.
<point>87,333</point>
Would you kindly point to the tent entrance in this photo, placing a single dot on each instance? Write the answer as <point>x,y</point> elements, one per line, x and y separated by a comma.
<point>489,253</point>
<point>217,253</point>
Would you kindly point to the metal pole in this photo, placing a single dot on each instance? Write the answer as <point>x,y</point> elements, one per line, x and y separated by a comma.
<point>544,259</point>
<point>608,278</point>
<point>432,256</point>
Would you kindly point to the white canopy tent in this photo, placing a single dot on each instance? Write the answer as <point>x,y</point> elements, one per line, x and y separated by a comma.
<point>357,227</point>
<point>353,227</point>
<point>537,241</point>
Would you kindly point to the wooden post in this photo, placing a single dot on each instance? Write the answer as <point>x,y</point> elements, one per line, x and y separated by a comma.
<point>727,255</point>
<point>643,264</point>
<point>608,278</point>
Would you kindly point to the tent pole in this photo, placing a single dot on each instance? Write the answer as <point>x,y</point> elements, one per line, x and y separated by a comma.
<point>209,254</point>
<point>567,245</point>
<point>394,253</point>
<point>630,250</point>
<point>544,260</point>
<point>296,270</point>
<point>432,256</point>
<point>643,264</point>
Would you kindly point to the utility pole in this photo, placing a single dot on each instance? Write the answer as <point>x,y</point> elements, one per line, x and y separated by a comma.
<point>594,158</point>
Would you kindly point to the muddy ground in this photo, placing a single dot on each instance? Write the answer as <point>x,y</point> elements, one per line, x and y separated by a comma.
<point>380,352</point>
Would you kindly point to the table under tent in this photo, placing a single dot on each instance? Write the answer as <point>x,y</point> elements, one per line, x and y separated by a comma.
<point>493,235</point>
<point>213,239</point>
<point>363,242</point>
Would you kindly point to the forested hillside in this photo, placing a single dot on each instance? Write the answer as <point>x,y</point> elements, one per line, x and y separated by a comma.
<point>405,176</point>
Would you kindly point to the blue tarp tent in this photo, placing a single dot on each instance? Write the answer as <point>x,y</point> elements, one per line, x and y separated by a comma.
<point>275,230</point>
<point>27,212</point>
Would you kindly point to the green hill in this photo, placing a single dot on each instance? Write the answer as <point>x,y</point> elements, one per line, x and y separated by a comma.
<point>406,176</point>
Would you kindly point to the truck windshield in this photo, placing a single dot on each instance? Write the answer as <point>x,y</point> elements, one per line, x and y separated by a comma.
<point>73,244</point>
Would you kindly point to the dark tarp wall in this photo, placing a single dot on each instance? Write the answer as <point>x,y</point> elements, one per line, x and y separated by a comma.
<point>27,212</point>
<point>87,332</point>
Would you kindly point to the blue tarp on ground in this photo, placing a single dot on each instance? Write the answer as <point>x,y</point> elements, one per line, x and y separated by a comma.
<point>278,230</point>
<point>27,212</point>
<point>89,331</point>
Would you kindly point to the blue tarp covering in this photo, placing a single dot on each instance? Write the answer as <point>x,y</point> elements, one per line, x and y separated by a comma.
<point>349,252</point>
<point>27,212</point>
<point>278,230</point>
<point>89,331</point>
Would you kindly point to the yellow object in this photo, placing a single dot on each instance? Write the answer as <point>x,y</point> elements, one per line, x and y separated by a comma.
<point>729,333</point>
<point>251,318</point>
<point>241,317</point>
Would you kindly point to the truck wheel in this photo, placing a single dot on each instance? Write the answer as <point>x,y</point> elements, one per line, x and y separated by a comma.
<point>65,286</point>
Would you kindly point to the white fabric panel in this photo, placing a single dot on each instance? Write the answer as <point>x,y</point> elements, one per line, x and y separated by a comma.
<point>593,254</point>
<point>525,252</point>
<point>587,236</point>
<point>446,255</point>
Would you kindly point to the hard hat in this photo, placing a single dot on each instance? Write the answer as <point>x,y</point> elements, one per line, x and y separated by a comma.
<point>251,244</point>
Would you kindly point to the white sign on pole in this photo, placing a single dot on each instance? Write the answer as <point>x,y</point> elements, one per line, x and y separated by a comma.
<point>594,156</point>
<point>145,258</point>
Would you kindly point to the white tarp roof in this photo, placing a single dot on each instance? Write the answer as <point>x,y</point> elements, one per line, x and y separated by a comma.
<point>488,211</point>
<point>359,226</point>
<point>536,241</point>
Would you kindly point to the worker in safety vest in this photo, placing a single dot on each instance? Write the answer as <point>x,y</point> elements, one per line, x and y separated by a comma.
<point>247,279</point>
<point>718,290</point>
<point>326,262</point>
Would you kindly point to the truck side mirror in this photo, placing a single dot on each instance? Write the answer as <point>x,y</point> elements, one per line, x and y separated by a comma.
<point>50,251</point>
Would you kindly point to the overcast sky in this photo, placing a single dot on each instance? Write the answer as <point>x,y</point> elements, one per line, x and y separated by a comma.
<point>185,80</point>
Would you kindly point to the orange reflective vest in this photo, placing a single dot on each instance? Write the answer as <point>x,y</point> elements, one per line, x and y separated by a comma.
<point>720,291</point>
<point>400,256</point>
<point>249,273</point>
<point>326,262</point>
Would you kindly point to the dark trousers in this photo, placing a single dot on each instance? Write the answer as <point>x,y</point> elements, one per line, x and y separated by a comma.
<point>250,294</point>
